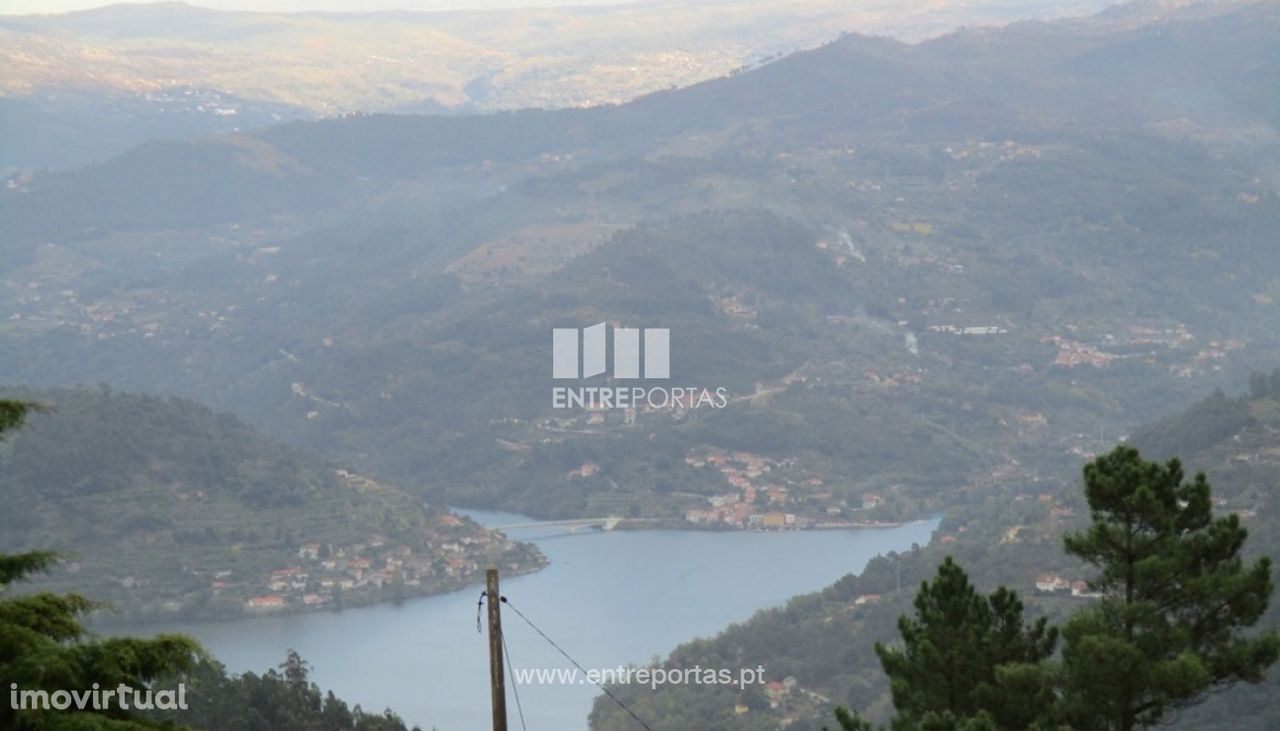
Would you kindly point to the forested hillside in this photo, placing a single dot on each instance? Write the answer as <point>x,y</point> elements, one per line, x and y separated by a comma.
<point>1012,538</point>
<point>166,508</point>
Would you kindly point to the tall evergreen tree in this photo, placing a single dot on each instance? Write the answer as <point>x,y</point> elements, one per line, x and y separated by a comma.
<point>1177,599</point>
<point>948,673</point>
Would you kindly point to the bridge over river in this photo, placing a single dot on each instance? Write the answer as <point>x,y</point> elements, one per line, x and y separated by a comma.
<point>576,524</point>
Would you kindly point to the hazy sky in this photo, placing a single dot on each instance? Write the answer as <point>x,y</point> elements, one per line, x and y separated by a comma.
<point>13,7</point>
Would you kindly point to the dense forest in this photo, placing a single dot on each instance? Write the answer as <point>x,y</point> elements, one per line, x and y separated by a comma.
<point>92,441</point>
<point>279,699</point>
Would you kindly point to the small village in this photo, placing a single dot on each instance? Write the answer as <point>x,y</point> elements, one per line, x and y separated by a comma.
<point>326,576</point>
<point>1053,583</point>
<point>787,698</point>
<point>763,498</point>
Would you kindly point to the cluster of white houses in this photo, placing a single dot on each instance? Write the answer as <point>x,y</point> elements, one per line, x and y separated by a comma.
<point>759,500</point>
<point>1053,583</point>
<point>323,573</point>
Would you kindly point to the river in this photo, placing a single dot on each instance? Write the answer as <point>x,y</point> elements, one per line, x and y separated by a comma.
<point>608,598</point>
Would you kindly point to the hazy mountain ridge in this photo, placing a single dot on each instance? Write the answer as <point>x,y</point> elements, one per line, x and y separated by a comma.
<point>135,59</point>
<point>855,228</point>
<point>732,32</point>
<point>1026,81</point>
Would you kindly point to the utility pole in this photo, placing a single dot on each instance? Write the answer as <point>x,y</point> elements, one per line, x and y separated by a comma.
<point>496,674</point>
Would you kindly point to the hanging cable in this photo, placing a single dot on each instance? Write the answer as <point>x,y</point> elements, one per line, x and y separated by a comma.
<point>480,610</point>
<point>515,687</point>
<point>577,665</point>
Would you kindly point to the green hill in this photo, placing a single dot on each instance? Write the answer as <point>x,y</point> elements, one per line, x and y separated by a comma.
<point>164,507</point>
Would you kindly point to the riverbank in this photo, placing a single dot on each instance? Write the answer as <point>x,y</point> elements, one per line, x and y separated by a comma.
<point>459,576</point>
<point>609,598</point>
<point>444,556</point>
<point>109,620</point>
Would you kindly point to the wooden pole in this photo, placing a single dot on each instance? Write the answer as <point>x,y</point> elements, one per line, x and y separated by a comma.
<point>496,674</point>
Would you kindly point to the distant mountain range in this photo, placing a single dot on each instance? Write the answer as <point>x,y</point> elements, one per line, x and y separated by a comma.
<point>919,270</point>
<point>80,87</point>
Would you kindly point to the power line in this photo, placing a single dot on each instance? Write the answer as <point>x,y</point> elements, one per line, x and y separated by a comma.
<point>577,665</point>
<point>515,687</point>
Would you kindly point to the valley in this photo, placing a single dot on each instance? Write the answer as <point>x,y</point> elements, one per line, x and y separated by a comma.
<point>892,340</point>
<point>932,280</point>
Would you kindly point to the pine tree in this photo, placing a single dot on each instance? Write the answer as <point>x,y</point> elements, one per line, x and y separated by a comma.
<point>1177,599</point>
<point>956,650</point>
